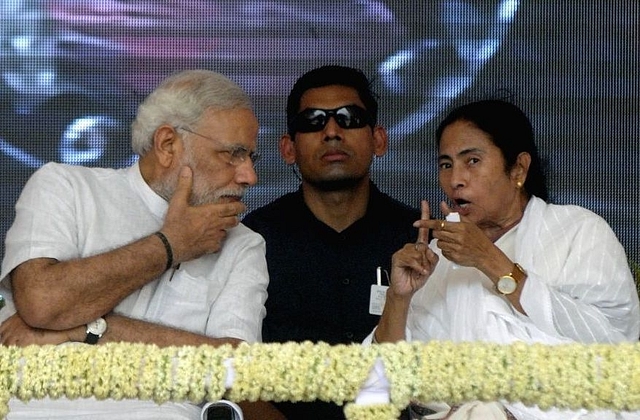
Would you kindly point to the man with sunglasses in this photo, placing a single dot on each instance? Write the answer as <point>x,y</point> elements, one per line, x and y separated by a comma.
<point>328,241</point>
<point>153,253</point>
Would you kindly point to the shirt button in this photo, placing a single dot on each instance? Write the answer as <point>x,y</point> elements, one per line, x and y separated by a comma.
<point>349,335</point>
<point>346,281</point>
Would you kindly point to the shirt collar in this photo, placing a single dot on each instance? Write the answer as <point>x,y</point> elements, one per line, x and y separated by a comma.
<point>156,204</point>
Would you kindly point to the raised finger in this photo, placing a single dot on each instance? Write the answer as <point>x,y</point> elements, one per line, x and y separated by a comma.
<point>183,188</point>
<point>423,232</point>
<point>444,208</point>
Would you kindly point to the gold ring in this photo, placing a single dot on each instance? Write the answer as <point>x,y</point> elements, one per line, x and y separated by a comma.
<point>442,225</point>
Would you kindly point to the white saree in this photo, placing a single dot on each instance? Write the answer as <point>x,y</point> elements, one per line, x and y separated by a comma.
<point>579,288</point>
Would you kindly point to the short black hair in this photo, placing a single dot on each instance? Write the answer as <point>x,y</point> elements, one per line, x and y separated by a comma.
<point>510,130</point>
<point>332,75</point>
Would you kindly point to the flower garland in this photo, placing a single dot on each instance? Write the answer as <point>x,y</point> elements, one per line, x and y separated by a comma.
<point>595,376</point>
<point>299,372</point>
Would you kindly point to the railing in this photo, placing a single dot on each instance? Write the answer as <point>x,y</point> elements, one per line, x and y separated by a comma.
<point>375,382</point>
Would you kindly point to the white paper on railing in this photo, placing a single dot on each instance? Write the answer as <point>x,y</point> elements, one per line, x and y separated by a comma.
<point>376,388</point>
<point>231,374</point>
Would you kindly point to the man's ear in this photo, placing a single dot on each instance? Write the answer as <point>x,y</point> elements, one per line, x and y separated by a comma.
<point>521,167</point>
<point>166,144</point>
<point>380,140</point>
<point>287,149</point>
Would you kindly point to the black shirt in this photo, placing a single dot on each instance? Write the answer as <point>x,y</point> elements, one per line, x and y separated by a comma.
<point>320,280</point>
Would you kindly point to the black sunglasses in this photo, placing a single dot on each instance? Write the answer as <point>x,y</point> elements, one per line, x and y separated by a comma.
<point>312,120</point>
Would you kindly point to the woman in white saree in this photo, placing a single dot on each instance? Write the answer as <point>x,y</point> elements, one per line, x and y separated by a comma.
<point>514,268</point>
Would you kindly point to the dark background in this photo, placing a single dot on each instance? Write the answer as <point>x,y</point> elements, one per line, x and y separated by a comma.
<point>73,72</point>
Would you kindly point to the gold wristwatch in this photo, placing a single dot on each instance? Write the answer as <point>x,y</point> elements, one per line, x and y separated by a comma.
<point>508,283</point>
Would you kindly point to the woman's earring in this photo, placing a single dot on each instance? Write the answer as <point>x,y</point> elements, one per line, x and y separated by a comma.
<point>519,184</point>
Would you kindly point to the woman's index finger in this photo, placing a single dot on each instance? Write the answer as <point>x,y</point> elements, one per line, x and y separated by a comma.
<point>423,233</point>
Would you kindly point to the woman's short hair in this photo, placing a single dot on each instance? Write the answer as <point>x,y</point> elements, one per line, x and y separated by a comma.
<point>510,130</point>
<point>180,100</point>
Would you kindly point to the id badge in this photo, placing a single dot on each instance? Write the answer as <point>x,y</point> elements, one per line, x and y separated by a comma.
<point>378,295</point>
<point>377,299</point>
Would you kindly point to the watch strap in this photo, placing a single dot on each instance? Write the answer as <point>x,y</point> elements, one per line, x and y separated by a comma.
<point>92,338</point>
<point>518,273</point>
<point>95,330</point>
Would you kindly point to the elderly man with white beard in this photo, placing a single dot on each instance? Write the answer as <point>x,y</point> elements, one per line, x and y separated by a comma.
<point>153,253</point>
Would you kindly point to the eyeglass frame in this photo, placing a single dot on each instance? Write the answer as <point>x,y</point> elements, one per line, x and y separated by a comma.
<point>234,160</point>
<point>368,119</point>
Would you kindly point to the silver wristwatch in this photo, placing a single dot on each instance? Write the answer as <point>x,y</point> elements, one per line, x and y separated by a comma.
<point>95,330</point>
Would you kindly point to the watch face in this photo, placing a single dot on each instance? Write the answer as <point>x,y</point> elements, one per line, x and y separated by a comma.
<point>97,327</point>
<point>506,285</point>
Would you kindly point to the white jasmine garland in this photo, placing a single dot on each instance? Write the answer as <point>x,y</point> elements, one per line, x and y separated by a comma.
<point>594,376</point>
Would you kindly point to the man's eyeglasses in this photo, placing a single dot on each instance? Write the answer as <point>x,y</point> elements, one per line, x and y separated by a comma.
<point>236,155</point>
<point>312,120</point>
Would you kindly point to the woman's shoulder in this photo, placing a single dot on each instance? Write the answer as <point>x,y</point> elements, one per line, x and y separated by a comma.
<point>562,210</point>
<point>565,216</point>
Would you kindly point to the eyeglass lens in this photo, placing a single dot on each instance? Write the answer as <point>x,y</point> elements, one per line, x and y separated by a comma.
<point>240,154</point>
<point>236,155</point>
<point>315,119</point>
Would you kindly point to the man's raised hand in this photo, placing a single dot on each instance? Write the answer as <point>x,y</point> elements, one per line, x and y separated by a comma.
<point>193,231</point>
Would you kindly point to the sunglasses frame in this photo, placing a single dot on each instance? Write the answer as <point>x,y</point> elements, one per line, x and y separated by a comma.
<point>302,119</point>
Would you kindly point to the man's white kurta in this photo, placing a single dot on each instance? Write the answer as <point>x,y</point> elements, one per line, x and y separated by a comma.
<point>67,212</point>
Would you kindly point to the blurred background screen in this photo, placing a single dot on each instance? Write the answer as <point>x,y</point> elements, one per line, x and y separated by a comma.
<point>73,72</point>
